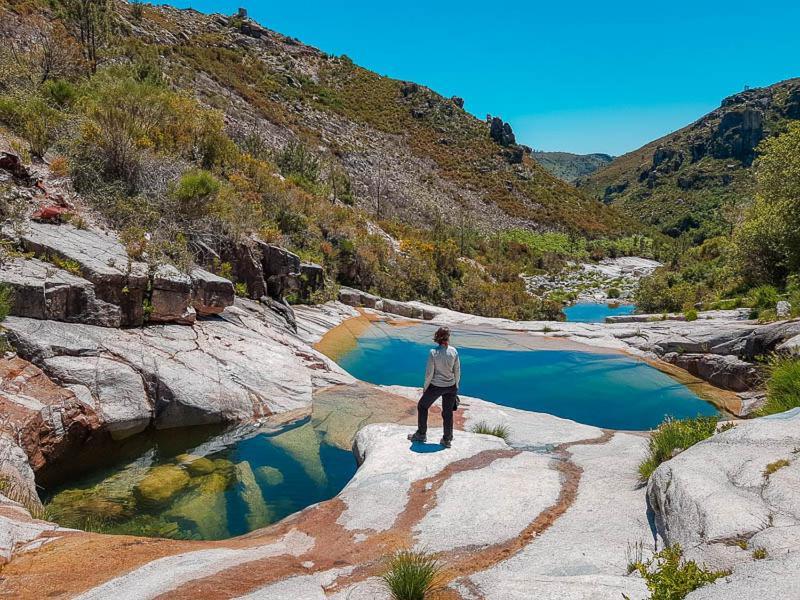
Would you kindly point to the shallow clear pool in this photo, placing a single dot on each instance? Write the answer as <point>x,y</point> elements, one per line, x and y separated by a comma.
<point>605,389</point>
<point>596,312</point>
<point>171,484</point>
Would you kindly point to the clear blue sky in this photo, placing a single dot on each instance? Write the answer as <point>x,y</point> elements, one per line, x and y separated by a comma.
<point>599,76</point>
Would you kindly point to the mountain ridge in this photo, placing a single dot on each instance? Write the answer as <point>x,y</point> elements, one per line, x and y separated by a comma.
<point>690,179</point>
<point>571,167</point>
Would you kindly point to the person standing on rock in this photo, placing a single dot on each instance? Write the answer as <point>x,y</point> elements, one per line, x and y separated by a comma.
<point>442,376</point>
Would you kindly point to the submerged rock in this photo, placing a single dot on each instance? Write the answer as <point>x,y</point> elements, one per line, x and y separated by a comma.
<point>205,506</point>
<point>196,465</point>
<point>269,475</point>
<point>257,513</point>
<point>302,443</point>
<point>160,486</point>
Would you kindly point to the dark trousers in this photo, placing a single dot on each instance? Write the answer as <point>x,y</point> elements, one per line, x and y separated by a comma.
<point>431,395</point>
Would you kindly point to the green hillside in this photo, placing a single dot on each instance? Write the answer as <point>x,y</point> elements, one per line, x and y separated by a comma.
<point>696,181</point>
<point>191,133</point>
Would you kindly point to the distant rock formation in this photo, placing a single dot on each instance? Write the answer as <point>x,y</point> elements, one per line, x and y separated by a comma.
<point>501,132</point>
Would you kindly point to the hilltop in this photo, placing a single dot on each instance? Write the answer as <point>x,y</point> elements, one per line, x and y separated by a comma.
<point>410,153</point>
<point>695,180</point>
<point>571,167</point>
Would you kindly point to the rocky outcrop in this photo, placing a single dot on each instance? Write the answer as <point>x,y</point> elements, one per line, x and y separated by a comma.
<point>410,310</point>
<point>47,423</point>
<point>236,368</point>
<point>43,291</point>
<point>726,372</point>
<point>501,132</point>
<point>100,258</point>
<point>266,269</point>
<point>738,134</point>
<point>593,281</point>
<point>102,285</point>
<point>738,488</point>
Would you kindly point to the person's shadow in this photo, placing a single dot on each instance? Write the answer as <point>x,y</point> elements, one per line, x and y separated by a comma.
<point>426,447</point>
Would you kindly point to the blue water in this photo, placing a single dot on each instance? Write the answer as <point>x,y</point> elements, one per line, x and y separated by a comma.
<point>596,312</point>
<point>603,389</point>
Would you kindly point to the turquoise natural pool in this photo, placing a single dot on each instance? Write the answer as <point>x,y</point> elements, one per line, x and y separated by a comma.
<point>599,388</point>
<point>195,485</point>
<point>596,312</point>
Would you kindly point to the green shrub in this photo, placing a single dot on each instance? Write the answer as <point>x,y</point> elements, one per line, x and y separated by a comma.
<point>674,435</point>
<point>60,92</point>
<point>296,160</point>
<point>32,118</point>
<point>613,293</point>
<point>783,386</point>
<point>669,577</point>
<point>690,314</point>
<point>240,288</point>
<point>194,192</point>
<point>412,575</point>
<point>764,297</point>
<point>501,431</point>
<point>759,554</point>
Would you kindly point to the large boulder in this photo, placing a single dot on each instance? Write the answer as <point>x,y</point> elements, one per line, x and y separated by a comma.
<point>211,293</point>
<point>172,296</point>
<point>404,309</point>
<point>43,291</point>
<point>766,338</point>
<point>501,132</point>
<point>736,484</point>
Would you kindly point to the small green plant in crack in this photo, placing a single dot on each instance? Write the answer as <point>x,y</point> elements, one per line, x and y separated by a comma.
<point>759,554</point>
<point>774,467</point>
<point>501,431</point>
<point>67,264</point>
<point>635,555</point>
<point>741,543</point>
<point>412,575</point>
<point>669,577</point>
<point>240,289</point>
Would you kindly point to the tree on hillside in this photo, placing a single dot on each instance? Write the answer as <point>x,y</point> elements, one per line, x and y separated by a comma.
<point>91,20</point>
<point>768,241</point>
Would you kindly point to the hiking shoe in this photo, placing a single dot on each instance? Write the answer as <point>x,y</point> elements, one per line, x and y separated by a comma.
<point>416,437</point>
<point>445,443</point>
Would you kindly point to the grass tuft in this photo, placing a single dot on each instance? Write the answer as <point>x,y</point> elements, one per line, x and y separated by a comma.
<point>412,575</point>
<point>501,431</point>
<point>674,436</point>
<point>759,554</point>
<point>774,467</point>
<point>783,386</point>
